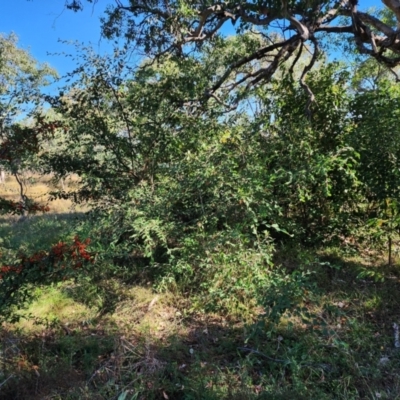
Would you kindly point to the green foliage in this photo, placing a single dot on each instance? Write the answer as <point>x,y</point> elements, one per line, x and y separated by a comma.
<point>286,292</point>
<point>22,77</point>
<point>314,164</point>
<point>376,137</point>
<point>191,196</point>
<point>21,80</point>
<point>173,187</point>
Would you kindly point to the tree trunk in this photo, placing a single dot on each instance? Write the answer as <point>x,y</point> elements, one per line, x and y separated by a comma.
<point>2,176</point>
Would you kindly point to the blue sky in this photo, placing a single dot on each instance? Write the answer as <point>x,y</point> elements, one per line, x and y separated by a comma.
<point>40,23</point>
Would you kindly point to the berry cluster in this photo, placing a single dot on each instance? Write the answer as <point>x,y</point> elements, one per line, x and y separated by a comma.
<point>16,207</point>
<point>73,255</point>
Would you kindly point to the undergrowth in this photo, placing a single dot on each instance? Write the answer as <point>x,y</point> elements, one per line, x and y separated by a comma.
<point>324,331</point>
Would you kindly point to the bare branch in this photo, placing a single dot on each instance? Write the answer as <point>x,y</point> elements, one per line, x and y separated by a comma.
<point>297,58</point>
<point>376,23</point>
<point>219,101</point>
<point>307,69</point>
<point>301,29</point>
<point>255,56</point>
<point>5,381</point>
<point>207,35</point>
<point>394,73</point>
<point>203,18</point>
<point>335,29</point>
<point>262,21</point>
<point>284,54</point>
<point>332,13</point>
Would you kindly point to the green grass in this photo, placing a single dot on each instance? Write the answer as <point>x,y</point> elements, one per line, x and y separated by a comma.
<point>55,308</point>
<point>122,341</point>
<point>35,233</point>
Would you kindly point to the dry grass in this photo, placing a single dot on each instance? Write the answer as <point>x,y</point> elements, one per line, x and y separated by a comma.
<point>37,188</point>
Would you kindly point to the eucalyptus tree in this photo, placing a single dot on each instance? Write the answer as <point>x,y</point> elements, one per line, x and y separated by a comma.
<point>158,27</point>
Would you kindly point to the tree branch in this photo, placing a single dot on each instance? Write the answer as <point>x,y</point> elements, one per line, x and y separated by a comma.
<point>393,5</point>
<point>311,97</point>
<point>255,56</point>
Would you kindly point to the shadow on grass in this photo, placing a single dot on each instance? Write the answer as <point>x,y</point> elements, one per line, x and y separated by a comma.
<point>371,289</point>
<point>144,345</point>
<point>89,363</point>
<point>151,347</point>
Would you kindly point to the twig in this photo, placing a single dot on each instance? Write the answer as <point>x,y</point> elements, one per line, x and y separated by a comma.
<point>311,97</point>
<point>66,329</point>
<point>396,335</point>
<point>4,382</point>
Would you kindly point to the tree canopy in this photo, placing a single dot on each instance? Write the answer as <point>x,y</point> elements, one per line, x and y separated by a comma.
<point>22,79</point>
<point>285,28</point>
